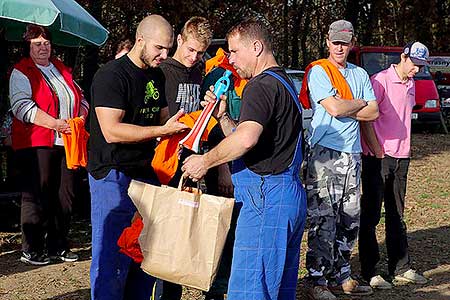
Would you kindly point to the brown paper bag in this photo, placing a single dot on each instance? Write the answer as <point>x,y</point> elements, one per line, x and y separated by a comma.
<point>184,233</point>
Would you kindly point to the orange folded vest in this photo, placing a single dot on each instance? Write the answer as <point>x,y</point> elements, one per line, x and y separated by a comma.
<point>165,161</point>
<point>221,60</point>
<point>337,80</point>
<point>75,144</point>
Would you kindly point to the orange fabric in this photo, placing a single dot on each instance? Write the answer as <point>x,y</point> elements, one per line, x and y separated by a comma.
<point>165,161</point>
<point>129,243</point>
<point>336,78</point>
<point>75,144</point>
<point>221,60</point>
<point>165,164</point>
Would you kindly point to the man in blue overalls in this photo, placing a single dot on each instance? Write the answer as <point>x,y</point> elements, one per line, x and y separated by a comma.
<point>266,178</point>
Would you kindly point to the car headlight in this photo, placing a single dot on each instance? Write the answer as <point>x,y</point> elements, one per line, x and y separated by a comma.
<point>431,104</point>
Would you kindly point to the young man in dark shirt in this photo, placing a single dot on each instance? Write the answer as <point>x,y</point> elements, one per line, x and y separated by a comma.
<point>266,180</point>
<point>183,71</point>
<point>128,108</point>
<point>183,79</point>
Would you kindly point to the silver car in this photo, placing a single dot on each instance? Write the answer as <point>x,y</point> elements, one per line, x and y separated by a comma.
<point>297,78</point>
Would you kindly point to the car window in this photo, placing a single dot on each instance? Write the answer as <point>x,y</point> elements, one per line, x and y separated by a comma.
<point>297,79</point>
<point>374,62</point>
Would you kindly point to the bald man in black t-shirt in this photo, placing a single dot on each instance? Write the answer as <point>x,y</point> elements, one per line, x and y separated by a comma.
<point>128,107</point>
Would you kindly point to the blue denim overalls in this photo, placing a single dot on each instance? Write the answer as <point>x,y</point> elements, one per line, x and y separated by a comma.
<point>269,231</point>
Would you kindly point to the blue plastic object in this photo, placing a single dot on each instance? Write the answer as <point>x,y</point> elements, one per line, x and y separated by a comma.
<point>222,84</point>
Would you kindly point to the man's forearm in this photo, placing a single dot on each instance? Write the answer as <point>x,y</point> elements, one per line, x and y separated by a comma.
<point>227,124</point>
<point>129,133</point>
<point>234,146</point>
<point>349,108</point>
<point>369,136</point>
<point>338,107</point>
<point>368,113</point>
<point>227,150</point>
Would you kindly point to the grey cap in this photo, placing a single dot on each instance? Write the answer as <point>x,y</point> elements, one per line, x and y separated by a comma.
<point>340,31</point>
<point>417,52</point>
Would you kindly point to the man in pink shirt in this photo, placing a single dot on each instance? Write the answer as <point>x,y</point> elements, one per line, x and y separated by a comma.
<point>385,162</point>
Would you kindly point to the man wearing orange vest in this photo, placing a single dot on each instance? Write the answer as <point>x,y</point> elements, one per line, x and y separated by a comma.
<point>341,95</point>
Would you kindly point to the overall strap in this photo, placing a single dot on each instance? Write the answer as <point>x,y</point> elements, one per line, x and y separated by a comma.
<point>287,85</point>
<point>295,98</point>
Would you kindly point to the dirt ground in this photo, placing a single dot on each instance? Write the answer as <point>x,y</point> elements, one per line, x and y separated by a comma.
<point>427,217</point>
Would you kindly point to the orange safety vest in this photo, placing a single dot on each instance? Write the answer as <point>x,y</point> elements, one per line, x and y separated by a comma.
<point>221,60</point>
<point>337,80</point>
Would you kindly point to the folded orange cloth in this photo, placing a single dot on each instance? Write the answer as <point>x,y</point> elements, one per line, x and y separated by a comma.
<point>129,243</point>
<point>165,160</point>
<point>221,60</point>
<point>75,144</point>
<point>337,80</point>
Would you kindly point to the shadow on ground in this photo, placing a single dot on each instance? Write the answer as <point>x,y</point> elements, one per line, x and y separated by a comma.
<point>83,294</point>
<point>429,254</point>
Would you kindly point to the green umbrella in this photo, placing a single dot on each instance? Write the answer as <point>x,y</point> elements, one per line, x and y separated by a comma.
<point>69,23</point>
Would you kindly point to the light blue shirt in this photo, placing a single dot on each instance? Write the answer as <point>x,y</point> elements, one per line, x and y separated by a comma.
<point>341,133</point>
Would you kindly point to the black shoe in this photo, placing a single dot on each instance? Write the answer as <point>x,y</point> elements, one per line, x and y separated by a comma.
<point>34,258</point>
<point>65,255</point>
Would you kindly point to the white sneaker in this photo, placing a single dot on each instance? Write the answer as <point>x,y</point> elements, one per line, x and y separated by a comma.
<point>319,292</point>
<point>378,282</point>
<point>411,276</point>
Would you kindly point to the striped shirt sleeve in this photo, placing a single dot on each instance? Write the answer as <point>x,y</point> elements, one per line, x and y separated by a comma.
<point>23,106</point>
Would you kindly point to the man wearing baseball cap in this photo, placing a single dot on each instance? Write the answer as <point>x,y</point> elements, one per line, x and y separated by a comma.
<point>340,95</point>
<point>385,161</point>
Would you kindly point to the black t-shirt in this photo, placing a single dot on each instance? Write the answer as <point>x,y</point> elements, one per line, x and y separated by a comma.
<point>140,93</point>
<point>183,90</point>
<point>182,86</point>
<point>266,101</point>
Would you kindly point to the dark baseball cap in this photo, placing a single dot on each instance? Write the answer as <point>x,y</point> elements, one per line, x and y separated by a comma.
<point>340,31</point>
<point>417,52</point>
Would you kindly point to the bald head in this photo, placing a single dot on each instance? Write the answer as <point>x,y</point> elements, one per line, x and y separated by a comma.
<point>153,24</point>
<point>154,38</point>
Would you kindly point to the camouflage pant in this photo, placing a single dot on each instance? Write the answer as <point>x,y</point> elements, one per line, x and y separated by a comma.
<point>333,192</point>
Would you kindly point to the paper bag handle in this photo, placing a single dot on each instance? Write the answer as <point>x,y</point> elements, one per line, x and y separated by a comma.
<point>182,186</point>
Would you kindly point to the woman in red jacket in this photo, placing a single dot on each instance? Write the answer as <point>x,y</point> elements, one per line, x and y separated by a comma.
<point>43,97</point>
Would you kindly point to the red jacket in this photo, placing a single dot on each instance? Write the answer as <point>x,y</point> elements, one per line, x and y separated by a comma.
<point>26,135</point>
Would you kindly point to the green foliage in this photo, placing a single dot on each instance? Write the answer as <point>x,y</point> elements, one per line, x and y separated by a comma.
<point>299,27</point>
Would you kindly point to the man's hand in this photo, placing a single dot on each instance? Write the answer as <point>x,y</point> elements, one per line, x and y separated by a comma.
<point>194,167</point>
<point>172,125</point>
<point>378,151</point>
<point>210,97</point>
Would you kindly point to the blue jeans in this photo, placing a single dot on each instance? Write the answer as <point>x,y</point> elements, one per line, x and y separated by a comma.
<point>114,276</point>
<point>268,235</point>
